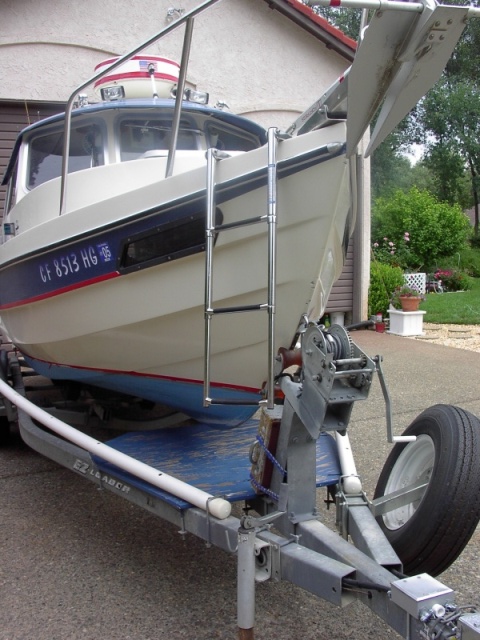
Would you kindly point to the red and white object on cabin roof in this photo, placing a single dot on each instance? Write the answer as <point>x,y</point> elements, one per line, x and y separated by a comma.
<point>135,76</point>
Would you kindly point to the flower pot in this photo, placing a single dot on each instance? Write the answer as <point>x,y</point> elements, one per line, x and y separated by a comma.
<point>410,303</point>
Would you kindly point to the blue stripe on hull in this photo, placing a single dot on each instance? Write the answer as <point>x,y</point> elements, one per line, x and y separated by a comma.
<point>183,395</point>
<point>96,255</point>
<point>83,261</point>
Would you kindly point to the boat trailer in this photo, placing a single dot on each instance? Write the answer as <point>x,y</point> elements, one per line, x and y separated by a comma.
<point>190,475</point>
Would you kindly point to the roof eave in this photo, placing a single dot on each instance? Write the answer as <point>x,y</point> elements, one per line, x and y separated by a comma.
<point>301,15</point>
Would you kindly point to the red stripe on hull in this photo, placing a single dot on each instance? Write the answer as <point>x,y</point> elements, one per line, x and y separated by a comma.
<point>58,292</point>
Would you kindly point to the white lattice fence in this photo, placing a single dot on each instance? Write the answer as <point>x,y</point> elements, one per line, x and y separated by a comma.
<point>416,280</point>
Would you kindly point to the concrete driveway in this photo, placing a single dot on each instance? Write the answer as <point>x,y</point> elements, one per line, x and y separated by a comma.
<point>80,563</point>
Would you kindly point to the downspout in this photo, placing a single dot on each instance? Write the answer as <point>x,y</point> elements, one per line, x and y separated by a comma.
<point>361,236</point>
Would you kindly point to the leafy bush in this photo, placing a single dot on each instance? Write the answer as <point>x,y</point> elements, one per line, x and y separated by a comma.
<point>384,279</point>
<point>396,254</point>
<point>475,241</point>
<point>470,261</point>
<point>453,279</point>
<point>434,229</point>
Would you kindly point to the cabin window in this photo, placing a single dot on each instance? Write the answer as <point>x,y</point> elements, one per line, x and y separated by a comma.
<point>167,242</point>
<point>139,136</point>
<point>46,149</point>
<point>230,139</point>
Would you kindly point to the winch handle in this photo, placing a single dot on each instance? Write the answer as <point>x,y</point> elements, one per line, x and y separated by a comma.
<point>388,406</point>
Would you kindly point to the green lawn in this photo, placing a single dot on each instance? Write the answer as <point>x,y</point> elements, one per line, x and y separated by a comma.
<point>460,307</point>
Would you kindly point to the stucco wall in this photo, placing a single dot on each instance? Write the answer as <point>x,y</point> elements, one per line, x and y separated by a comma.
<point>243,52</point>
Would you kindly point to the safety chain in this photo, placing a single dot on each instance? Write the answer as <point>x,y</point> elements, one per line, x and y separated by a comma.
<point>270,456</point>
<point>263,489</point>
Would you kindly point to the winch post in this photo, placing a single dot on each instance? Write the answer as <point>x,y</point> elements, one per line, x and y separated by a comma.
<point>296,451</point>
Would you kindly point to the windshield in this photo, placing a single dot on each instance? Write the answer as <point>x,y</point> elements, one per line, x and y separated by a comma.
<point>138,136</point>
<point>45,152</point>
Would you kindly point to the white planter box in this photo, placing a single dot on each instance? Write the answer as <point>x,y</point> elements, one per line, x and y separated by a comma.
<point>406,323</point>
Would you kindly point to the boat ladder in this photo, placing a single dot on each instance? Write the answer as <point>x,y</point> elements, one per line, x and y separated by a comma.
<point>211,231</point>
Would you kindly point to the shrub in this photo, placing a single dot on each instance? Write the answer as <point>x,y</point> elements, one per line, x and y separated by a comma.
<point>470,261</point>
<point>396,254</point>
<point>475,241</point>
<point>384,279</point>
<point>453,279</point>
<point>434,229</point>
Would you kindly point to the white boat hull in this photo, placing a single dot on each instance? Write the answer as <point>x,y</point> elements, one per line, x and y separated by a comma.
<point>149,323</point>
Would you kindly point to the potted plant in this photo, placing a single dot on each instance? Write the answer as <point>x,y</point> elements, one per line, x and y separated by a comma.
<point>406,298</point>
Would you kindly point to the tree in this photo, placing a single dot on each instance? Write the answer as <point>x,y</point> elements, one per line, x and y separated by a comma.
<point>451,113</point>
<point>422,229</point>
<point>452,119</point>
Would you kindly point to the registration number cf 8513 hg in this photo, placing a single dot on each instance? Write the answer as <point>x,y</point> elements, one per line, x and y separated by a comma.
<point>67,264</point>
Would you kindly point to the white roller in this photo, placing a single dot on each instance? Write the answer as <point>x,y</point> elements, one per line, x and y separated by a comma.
<point>218,507</point>
<point>350,479</point>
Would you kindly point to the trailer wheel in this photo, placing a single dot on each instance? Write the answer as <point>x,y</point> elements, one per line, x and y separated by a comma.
<point>429,534</point>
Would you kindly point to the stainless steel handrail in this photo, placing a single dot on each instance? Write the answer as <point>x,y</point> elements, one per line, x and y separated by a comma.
<point>187,41</point>
<point>186,18</point>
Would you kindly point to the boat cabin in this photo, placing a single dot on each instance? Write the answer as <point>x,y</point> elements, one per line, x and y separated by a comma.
<point>123,131</point>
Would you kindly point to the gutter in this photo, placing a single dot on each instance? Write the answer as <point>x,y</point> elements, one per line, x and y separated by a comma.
<point>304,17</point>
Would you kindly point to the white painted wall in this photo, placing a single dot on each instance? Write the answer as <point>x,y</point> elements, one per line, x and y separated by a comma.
<point>243,52</point>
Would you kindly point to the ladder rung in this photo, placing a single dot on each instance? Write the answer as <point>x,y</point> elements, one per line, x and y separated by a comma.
<point>240,223</point>
<point>233,401</point>
<point>246,307</point>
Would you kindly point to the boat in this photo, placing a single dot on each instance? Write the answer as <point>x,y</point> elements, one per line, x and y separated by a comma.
<point>110,293</point>
<point>159,251</point>
<point>141,231</point>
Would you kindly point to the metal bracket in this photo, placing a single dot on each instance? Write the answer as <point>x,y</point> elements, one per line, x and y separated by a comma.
<point>344,504</point>
<point>250,522</point>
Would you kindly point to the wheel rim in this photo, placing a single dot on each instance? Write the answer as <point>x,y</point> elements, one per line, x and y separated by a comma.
<point>414,464</point>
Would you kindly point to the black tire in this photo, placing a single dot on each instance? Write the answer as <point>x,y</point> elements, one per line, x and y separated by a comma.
<point>428,535</point>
